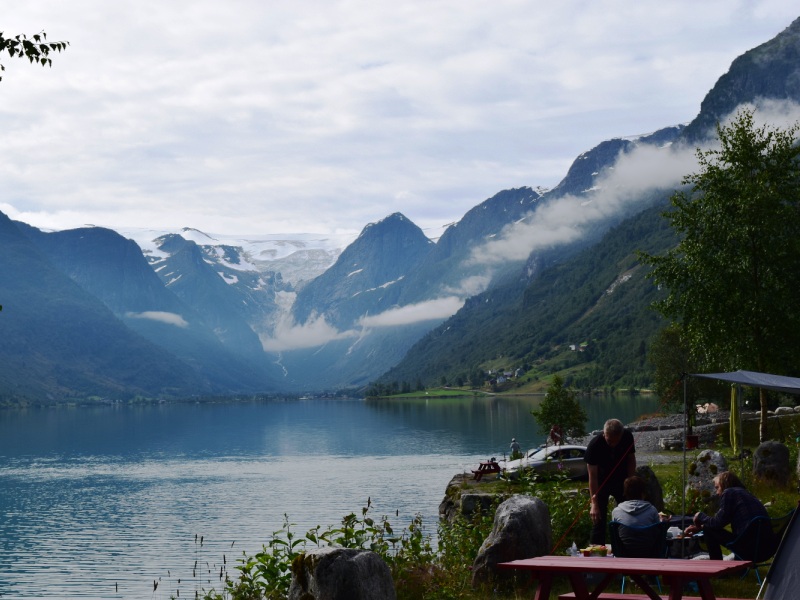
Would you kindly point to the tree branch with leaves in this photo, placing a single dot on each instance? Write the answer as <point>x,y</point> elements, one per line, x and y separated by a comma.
<point>36,49</point>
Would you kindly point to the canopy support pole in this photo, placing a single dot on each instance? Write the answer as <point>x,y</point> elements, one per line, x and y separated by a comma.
<point>683,471</point>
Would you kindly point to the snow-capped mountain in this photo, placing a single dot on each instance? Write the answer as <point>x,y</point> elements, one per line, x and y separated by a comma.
<point>298,257</point>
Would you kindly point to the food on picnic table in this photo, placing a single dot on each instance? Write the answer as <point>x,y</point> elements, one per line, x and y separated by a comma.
<point>595,550</point>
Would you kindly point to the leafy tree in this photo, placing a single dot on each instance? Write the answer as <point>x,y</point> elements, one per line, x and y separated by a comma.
<point>476,378</point>
<point>733,278</point>
<point>671,357</point>
<point>561,407</point>
<point>37,49</point>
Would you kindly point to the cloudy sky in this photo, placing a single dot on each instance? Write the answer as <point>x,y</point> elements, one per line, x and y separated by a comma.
<point>267,116</point>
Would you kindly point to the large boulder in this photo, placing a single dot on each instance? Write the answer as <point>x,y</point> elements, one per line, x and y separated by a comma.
<point>521,530</point>
<point>701,473</point>
<point>480,503</point>
<point>341,574</point>
<point>461,500</point>
<point>771,462</point>
<point>653,494</point>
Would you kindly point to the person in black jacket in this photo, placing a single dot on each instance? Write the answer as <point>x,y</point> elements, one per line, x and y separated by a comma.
<point>610,459</point>
<point>737,507</point>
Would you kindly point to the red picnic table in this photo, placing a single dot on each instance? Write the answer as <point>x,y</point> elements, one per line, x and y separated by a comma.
<point>486,467</point>
<point>674,572</point>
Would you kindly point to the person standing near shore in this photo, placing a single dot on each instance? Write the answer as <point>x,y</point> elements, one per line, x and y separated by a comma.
<point>516,450</point>
<point>610,459</point>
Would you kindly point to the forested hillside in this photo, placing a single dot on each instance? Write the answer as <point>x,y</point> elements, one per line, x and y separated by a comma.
<point>600,296</point>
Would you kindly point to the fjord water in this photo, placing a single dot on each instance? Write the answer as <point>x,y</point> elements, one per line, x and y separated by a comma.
<point>102,502</point>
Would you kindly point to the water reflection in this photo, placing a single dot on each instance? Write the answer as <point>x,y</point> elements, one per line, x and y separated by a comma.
<point>487,424</point>
<point>99,502</point>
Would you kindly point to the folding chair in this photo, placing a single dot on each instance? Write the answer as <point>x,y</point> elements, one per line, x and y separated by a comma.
<point>759,541</point>
<point>649,541</point>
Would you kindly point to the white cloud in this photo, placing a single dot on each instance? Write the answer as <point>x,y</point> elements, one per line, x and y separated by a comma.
<point>643,169</point>
<point>160,316</point>
<point>314,332</point>
<point>317,332</point>
<point>771,113</point>
<point>440,308</point>
<point>327,115</point>
<point>470,286</point>
<point>566,219</point>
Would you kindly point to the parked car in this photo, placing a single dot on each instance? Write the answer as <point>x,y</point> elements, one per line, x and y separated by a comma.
<point>565,458</point>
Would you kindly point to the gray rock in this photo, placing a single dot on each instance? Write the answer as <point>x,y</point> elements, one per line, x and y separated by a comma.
<point>653,494</point>
<point>461,500</point>
<point>701,473</point>
<point>476,503</point>
<point>771,462</point>
<point>784,410</point>
<point>341,574</point>
<point>521,530</point>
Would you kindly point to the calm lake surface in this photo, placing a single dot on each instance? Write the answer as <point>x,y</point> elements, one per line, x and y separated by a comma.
<point>102,502</point>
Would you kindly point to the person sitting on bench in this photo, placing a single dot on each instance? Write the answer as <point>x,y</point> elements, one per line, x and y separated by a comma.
<point>636,512</point>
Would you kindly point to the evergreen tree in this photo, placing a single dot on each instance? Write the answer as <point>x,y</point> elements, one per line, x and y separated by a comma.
<point>561,407</point>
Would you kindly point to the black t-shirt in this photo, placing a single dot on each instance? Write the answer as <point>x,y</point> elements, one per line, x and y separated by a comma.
<point>599,453</point>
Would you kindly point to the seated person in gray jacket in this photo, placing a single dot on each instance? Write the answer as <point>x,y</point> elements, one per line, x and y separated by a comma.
<point>635,511</point>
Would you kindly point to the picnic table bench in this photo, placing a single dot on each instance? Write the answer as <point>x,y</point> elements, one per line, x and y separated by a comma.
<point>486,467</point>
<point>611,596</point>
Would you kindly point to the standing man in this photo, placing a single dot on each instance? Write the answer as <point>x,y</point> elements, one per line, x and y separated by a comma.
<point>610,459</point>
<point>516,450</point>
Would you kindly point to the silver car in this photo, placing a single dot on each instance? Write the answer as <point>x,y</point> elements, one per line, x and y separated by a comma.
<point>566,458</point>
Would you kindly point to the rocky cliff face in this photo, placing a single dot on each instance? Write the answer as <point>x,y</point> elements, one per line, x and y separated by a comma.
<point>383,254</point>
<point>770,71</point>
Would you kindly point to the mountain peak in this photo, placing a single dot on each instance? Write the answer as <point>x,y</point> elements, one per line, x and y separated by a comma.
<point>768,71</point>
<point>393,220</point>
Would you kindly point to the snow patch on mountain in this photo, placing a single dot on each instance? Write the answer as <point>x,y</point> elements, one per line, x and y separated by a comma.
<point>298,257</point>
